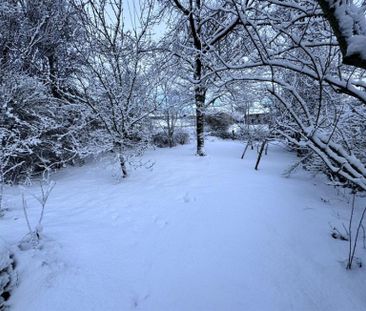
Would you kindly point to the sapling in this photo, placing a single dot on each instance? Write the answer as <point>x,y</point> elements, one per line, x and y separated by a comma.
<point>33,237</point>
<point>353,237</point>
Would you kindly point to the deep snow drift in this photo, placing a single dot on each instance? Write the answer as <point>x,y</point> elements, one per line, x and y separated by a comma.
<point>191,234</point>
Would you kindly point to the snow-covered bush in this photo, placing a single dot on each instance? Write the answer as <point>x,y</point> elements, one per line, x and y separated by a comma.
<point>162,140</point>
<point>181,137</point>
<point>219,120</point>
<point>7,274</point>
<point>219,124</point>
<point>38,126</point>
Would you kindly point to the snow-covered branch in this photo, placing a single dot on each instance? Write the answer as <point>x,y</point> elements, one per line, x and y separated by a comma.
<point>348,22</point>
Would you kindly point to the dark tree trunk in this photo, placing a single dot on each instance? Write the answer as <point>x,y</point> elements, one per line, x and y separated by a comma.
<point>200,120</point>
<point>170,133</point>
<point>52,62</point>
<point>122,163</point>
<point>200,97</point>
<point>118,148</point>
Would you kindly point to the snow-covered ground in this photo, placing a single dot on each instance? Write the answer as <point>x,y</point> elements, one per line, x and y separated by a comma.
<point>192,234</point>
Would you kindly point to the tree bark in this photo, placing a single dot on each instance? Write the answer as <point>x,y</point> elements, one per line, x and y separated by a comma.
<point>53,75</point>
<point>122,163</point>
<point>121,159</point>
<point>200,95</point>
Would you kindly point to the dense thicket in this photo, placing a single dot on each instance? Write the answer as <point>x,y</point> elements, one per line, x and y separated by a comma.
<point>39,127</point>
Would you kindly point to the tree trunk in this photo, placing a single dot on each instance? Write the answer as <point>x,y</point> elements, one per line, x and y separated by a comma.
<point>170,135</point>
<point>121,159</point>
<point>122,164</point>
<point>52,62</point>
<point>200,95</point>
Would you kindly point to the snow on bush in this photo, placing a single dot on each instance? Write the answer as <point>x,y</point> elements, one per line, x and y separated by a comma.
<point>162,140</point>
<point>181,137</point>
<point>219,124</point>
<point>7,274</point>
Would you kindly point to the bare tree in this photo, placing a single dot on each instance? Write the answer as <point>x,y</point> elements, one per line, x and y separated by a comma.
<point>120,78</point>
<point>174,107</point>
<point>199,30</point>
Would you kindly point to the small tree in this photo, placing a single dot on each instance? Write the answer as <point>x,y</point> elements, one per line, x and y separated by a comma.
<point>33,238</point>
<point>173,109</point>
<point>119,81</point>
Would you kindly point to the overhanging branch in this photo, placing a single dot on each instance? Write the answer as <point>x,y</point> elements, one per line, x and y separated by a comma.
<point>349,25</point>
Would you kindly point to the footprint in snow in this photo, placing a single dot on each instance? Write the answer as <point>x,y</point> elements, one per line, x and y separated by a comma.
<point>160,222</point>
<point>324,200</point>
<point>115,217</point>
<point>136,301</point>
<point>187,198</point>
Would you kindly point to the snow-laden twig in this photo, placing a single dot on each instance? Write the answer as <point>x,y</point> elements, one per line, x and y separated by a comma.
<point>32,239</point>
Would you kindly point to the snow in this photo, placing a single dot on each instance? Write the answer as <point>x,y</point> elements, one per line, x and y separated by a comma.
<point>7,274</point>
<point>357,45</point>
<point>194,233</point>
<point>352,25</point>
<point>5,260</point>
